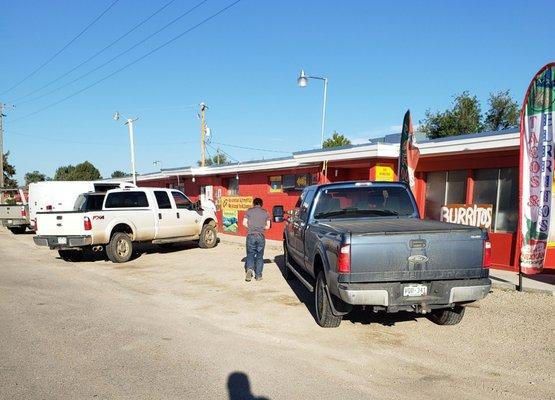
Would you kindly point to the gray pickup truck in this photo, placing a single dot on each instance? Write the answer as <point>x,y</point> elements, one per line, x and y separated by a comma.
<point>14,210</point>
<point>364,244</point>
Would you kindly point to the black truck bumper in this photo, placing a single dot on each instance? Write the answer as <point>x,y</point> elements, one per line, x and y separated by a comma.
<point>63,242</point>
<point>391,295</point>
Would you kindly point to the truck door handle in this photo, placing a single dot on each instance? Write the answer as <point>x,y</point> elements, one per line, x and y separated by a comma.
<point>177,215</point>
<point>159,215</point>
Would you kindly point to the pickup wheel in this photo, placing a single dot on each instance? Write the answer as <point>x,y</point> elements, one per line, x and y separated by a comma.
<point>71,255</point>
<point>17,230</point>
<point>120,248</point>
<point>208,237</point>
<point>286,272</point>
<point>447,316</point>
<point>324,315</point>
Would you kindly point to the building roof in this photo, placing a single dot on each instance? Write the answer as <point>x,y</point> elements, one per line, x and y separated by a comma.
<point>385,147</point>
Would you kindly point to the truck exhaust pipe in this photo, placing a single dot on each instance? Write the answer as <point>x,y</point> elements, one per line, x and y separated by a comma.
<point>97,249</point>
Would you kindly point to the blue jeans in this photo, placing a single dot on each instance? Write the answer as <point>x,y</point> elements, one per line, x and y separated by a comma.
<point>255,253</point>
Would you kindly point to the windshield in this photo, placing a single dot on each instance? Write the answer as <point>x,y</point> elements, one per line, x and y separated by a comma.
<point>364,201</point>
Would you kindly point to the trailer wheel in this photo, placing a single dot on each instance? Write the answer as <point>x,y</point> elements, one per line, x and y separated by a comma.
<point>120,248</point>
<point>17,230</point>
<point>324,315</point>
<point>71,255</point>
<point>447,316</point>
<point>208,236</point>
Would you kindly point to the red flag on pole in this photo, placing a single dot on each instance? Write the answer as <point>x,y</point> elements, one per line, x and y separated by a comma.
<point>408,153</point>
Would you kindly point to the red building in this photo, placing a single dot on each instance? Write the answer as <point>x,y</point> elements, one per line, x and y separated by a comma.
<point>478,169</point>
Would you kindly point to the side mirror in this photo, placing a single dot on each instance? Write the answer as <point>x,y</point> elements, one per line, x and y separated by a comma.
<point>278,214</point>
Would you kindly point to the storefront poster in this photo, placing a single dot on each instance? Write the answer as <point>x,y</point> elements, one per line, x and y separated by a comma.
<point>408,153</point>
<point>480,215</point>
<point>384,173</point>
<point>239,203</point>
<point>230,219</point>
<point>536,169</point>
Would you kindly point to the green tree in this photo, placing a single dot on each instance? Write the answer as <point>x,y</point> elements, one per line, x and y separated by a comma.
<point>9,172</point>
<point>218,159</point>
<point>464,117</point>
<point>34,176</point>
<point>119,174</point>
<point>336,140</point>
<point>84,171</point>
<point>503,112</point>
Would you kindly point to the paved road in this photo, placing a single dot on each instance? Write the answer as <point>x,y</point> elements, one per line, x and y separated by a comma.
<point>184,325</point>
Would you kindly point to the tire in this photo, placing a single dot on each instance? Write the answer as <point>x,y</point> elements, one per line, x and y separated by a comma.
<point>120,248</point>
<point>286,272</point>
<point>322,307</point>
<point>447,316</point>
<point>71,255</point>
<point>17,230</point>
<point>208,236</point>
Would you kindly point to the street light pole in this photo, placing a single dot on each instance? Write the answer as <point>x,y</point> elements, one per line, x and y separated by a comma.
<point>303,82</point>
<point>129,124</point>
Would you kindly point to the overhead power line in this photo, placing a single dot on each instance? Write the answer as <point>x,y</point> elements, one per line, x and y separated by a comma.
<point>221,151</point>
<point>144,21</point>
<point>252,148</point>
<point>187,12</point>
<point>222,10</point>
<point>49,60</point>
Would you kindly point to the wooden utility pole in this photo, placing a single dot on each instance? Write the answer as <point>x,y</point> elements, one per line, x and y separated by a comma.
<point>203,108</point>
<point>2,115</point>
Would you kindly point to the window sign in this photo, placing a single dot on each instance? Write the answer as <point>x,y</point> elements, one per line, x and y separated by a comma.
<point>384,173</point>
<point>276,185</point>
<point>479,215</point>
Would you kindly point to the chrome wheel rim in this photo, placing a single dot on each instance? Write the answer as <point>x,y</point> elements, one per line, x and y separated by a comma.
<point>209,236</point>
<point>122,248</point>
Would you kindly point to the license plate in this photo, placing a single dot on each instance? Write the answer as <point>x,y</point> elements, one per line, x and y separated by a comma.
<point>10,221</point>
<point>62,240</point>
<point>415,290</point>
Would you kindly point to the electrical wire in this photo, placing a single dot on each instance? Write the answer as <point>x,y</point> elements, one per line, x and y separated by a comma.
<point>48,61</point>
<point>227,154</point>
<point>251,148</point>
<point>131,63</point>
<point>187,12</point>
<point>97,53</point>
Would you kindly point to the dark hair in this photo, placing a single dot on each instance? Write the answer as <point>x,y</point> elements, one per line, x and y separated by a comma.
<point>257,201</point>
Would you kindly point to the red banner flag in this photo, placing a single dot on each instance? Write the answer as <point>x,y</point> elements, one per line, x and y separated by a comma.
<point>408,153</point>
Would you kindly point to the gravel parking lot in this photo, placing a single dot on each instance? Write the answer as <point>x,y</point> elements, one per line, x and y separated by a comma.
<point>184,324</point>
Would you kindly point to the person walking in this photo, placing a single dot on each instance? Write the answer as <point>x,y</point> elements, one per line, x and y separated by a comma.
<point>256,220</point>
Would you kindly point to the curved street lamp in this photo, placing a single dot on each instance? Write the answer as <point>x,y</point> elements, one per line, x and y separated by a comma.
<point>302,81</point>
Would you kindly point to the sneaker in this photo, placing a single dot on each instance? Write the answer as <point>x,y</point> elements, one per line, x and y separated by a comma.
<point>258,278</point>
<point>248,275</point>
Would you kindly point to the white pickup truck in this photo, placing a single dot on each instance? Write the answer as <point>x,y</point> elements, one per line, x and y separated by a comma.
<point>116,219</point>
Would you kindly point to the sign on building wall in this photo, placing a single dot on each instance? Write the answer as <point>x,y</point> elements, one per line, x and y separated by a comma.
<point>239,203</point>
<point>230,220</point>
<point>385,173</point>
<point>480,215</point>
<point>536,169</point>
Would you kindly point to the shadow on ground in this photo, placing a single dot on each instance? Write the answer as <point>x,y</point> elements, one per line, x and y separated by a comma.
<point>357,316</point>
<point>239,387</point>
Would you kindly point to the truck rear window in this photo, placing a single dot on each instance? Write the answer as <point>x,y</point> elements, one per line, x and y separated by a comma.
<point>126,200</point>
<point>89,202</point>
<point>363,202</point>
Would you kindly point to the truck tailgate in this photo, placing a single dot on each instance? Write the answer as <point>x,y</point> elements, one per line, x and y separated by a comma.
<point>12,211</point>
<point>62,223</point>
<point>454,253</point>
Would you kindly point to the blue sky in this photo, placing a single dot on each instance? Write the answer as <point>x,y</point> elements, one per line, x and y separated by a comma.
<point>380,58</point>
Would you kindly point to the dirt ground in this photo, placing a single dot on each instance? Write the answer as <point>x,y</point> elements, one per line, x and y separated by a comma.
<point>140,316</point>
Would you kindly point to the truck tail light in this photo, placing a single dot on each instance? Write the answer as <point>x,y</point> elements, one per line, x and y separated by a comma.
<point>23,212</point>
<point>486,262</point>
<point>87,223</point>
<point>344,259</point>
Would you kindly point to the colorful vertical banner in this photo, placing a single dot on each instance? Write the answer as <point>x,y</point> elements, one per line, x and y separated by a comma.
<point>536,169</point>
<point>408,153</point>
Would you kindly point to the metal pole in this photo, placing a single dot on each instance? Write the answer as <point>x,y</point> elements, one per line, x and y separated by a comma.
<point>1,146</point>
<point>324,109</point>
<point>202,136</point>
<point>132,144</point>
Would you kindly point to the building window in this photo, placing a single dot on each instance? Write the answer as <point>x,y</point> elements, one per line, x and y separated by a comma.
<point>499,187</point>
<point>233,187</point>
<point>445,187</point>
<point>276,185</point>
